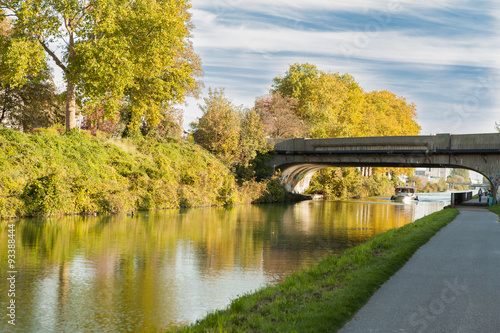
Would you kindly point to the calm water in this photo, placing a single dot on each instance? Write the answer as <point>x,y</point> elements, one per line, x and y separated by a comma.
<point>151,272</point>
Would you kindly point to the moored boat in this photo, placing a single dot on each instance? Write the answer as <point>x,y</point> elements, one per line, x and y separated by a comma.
<point>404,193</point>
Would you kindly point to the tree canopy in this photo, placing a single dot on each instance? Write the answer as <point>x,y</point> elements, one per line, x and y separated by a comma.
<point>335,105</point>
<point>234,134</point>
<point>219,127</point>
<point>277,115</point>
<point>114,54</point>
<point>29,100</point>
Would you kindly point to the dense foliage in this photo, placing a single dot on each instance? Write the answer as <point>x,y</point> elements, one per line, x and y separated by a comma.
<point>129,55</point>
<point>233,134</point>
<point>340,183</point>
<point>458,178</point>
<point>48,173</point>
<point>127,65</point>
<point>429,187</point>
<point>27,99</point>
<point>334,105</point>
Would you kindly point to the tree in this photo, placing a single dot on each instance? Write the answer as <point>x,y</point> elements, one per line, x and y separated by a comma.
<point>277,115</point>
<point>391,114</point>
<point>458,177</point>
<point>441,185</point>
<point>219,127</point>
<point>112,53</point>
<point>33,104</point>
<point>252,137</point>
<point>298,83</point>
<point>462,173</point>
<point>335,105</point>
<point>30,101</point>
<point>319,97</point>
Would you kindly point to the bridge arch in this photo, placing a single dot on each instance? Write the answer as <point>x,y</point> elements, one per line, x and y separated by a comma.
<point>299,159</point>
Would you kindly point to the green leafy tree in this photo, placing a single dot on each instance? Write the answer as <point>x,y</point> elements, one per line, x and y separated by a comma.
<point>319,95</point>
<point>31,105</point>
<point>29,101</point>
<point>112,53</point>
<point>298,82</point>
<point>219,127</point>
<point>252,137</point>
<point>335,105</point>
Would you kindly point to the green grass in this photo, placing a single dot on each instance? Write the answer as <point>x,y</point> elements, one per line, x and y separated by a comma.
<point>326,296</point>
<point>495,209</point>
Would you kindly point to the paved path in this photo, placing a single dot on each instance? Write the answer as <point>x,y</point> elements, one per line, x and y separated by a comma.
<point>475,202</point>
<point>451,284</point>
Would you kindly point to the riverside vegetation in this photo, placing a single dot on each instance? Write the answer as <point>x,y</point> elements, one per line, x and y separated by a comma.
<point>326,296</point>
<point>47,173</point>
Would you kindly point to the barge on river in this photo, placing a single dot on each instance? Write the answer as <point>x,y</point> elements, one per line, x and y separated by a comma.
<point>404,194</point>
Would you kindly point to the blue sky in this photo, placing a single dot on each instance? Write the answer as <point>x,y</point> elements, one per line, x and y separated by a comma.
<point>443,55</point>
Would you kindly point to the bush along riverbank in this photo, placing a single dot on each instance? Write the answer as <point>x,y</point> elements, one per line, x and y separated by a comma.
<point>48,173</point>
<point>326,296</point>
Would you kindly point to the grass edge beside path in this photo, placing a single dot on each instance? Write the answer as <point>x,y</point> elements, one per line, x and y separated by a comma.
<point>495,209</point>
<point>326,296</point>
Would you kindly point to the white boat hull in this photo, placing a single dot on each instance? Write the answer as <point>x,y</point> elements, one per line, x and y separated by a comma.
<point>404,198</point>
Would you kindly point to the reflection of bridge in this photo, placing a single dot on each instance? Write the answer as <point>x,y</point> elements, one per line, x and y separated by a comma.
<point>299,159</point>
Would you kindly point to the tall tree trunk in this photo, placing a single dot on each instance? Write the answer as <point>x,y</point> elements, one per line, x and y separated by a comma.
<point>70,105</point>
<point>3,114</point>
<point>71,86</point>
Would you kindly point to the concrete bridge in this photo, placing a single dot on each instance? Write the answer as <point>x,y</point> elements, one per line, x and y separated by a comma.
<point>299,159</point>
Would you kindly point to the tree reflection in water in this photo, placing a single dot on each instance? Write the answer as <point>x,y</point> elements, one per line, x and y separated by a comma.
<point>157,270</point>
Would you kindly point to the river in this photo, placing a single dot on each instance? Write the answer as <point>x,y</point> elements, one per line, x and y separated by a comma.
<point>157,270</point>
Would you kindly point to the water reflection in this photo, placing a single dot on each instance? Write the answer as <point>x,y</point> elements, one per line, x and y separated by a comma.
<point>153,271</point>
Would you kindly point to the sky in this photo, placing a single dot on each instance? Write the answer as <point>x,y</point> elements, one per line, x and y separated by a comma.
<point>443,55</point>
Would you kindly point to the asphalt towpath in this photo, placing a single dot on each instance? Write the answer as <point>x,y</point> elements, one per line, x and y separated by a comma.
<point>451,284</point>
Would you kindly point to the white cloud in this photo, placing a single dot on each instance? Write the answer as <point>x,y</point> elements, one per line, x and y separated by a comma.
<point>388,46</point>
<point>266,6</point>
<point>244,51</point>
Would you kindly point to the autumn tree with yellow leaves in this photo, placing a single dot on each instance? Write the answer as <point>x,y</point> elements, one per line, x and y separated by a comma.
<point>335,105</point>
<point>116,55</point>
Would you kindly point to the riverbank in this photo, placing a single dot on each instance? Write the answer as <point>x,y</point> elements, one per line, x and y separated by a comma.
<point>324,297</point>
<point>48,173</point>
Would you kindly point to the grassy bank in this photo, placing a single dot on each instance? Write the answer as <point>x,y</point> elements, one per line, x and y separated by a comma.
<point>324,297</point>
<point>495,209</point>
<point>48,173</point>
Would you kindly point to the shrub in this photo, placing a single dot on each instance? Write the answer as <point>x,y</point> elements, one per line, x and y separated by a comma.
<point>44,195</point>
